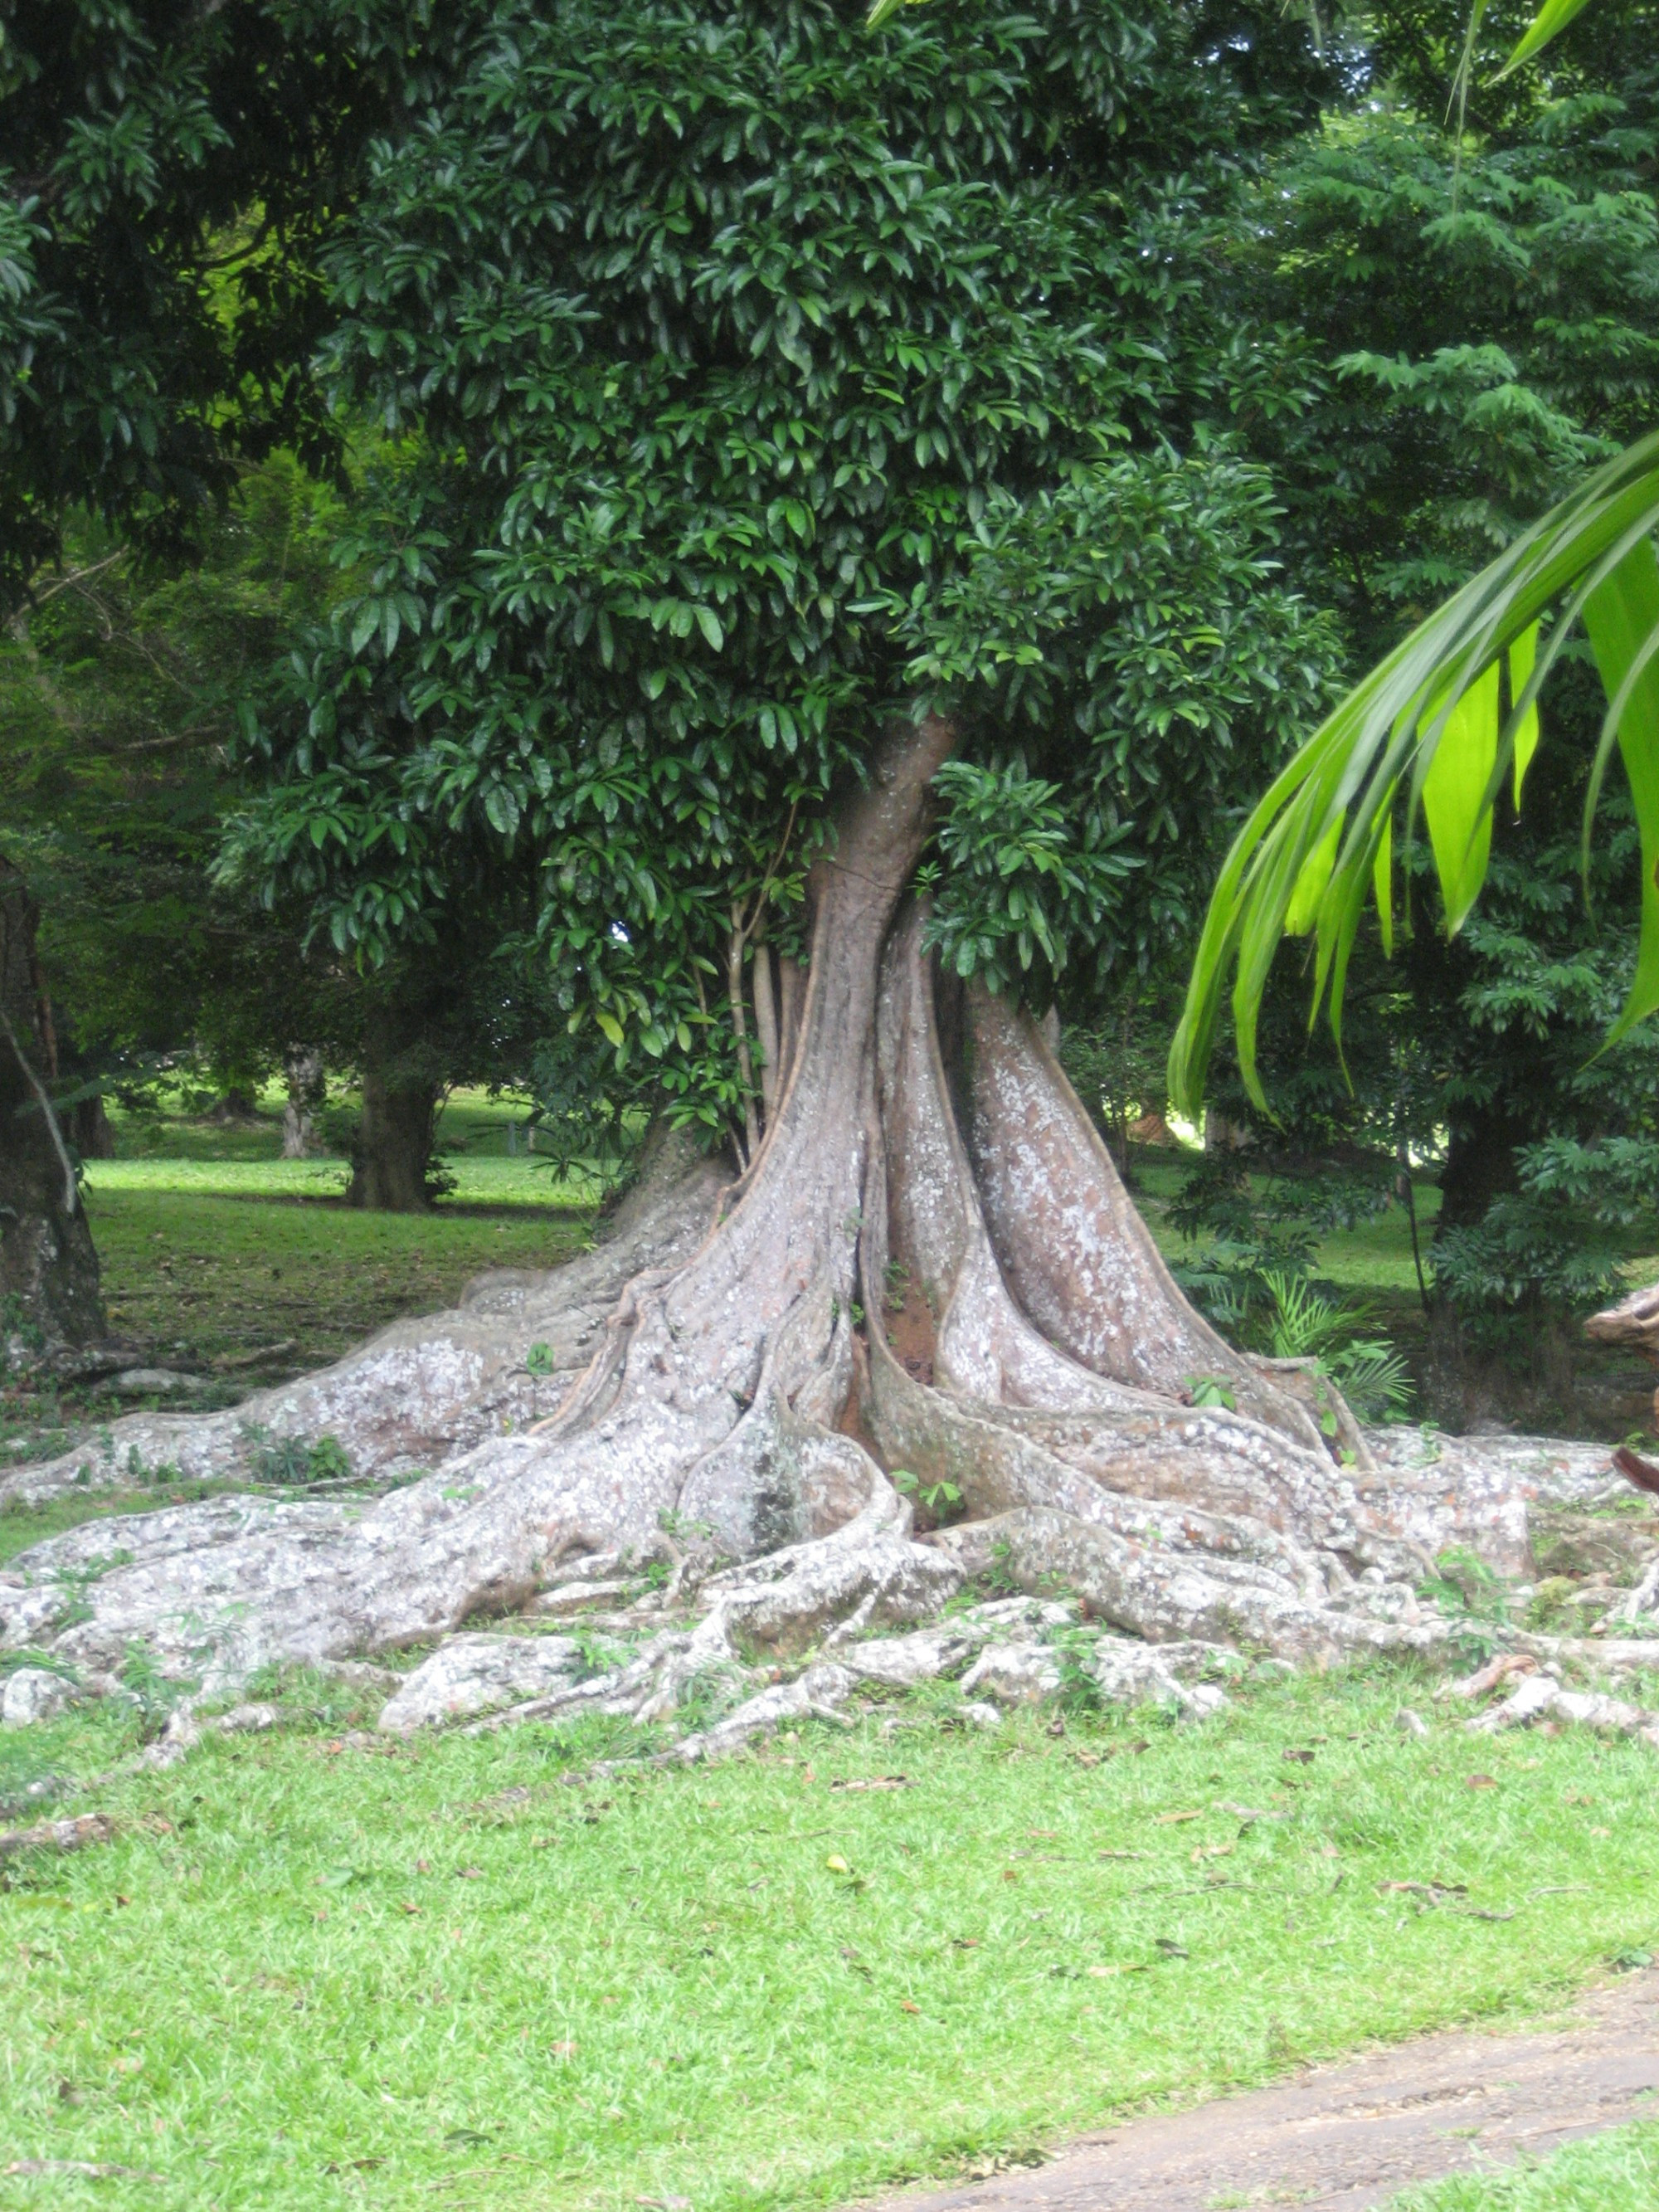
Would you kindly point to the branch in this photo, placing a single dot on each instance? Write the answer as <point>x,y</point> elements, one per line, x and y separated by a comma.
<point>71,1195</point>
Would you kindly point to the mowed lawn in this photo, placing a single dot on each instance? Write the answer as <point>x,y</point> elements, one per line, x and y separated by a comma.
<point>315,1970</point>
<point>212,1244</point>
<point>204,1275</point>
<point>312,1972</point>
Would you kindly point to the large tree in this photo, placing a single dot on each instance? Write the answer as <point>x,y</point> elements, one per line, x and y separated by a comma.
<point>813,549</point>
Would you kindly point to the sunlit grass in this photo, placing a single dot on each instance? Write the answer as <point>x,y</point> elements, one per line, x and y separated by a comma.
<point>1614,2172</point>
<point>308,1976</point>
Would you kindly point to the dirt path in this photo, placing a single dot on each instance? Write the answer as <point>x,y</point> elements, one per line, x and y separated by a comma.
<point>1344,2138</point>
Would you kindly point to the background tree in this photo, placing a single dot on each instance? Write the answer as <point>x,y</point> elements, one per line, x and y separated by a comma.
<point>1475,325</point>
<point>166,178</point>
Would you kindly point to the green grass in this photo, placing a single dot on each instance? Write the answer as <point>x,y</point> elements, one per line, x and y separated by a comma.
<point>197,1277</point>
<point>217,1273</point>
<point>243,1158</point>
<point>310,1975</point>
<point>1613,2172</point>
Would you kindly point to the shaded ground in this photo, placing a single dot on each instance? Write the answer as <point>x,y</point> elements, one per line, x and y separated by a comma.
<point>1344,2138</point>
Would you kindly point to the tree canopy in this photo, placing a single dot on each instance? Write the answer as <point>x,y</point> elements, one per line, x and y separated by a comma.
<point>745,382</point>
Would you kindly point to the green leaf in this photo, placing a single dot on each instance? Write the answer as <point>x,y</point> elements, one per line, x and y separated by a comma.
<point>1303,909</point>
<point>611,1027</point>
<point>708,623</point>
<point>1456,803</point>
<point>1523,655</point>
<point>1551,19</point>
<point>1383,884</point>
<point>1621,617</point>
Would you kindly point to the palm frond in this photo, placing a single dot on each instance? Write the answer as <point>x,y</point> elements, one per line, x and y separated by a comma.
<point>1421,736</point>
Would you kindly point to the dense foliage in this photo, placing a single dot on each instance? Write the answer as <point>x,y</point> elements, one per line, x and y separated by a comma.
<point>1474,332</point>
<point>755,381</point>
<point>168,174</point>
<point>121,692</point>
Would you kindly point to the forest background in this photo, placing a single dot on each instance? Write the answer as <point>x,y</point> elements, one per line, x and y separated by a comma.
<point>1354,349</point>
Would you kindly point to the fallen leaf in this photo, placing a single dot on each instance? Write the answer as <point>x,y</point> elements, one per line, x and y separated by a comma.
<point>561,2050</point>
<point>406,1906</point>
<point>469,1873</point>
<point>1010,1873</point>
<point>837,1864</point>
<point>1248,1813</point>
<point>1105,1973</point>
<point>1302,1757</point>
<point>1213,1851</point>
<point>1481,1782</point>
<point>1121,1855</point>
<point>878,1781</point>
<point>905,2005</point>
<point>1169,1820</point>
<point>1169,1947</point>
<point>964,1942</point>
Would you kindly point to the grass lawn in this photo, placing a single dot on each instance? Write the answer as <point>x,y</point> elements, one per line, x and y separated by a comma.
<point>211,1275</point>
<point>1614,2172</point>
<point>311,1974</point>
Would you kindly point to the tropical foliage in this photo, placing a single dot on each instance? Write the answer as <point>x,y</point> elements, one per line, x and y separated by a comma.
<point>1450,719</point>
<point>752,382</point>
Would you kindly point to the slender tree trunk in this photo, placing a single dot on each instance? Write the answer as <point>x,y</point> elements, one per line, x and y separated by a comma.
<point>304,1069</point>
<point>89,1129</point>
<point>766,1026</point>
<point>48,1266</point>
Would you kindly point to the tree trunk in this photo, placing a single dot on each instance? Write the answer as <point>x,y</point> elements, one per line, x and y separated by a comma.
<point>928,1268</point>
<point>1479,1165</point>
<point>90,1130</point>
<point>48,1267</point>
<point>392,1155</point>
<point>304,1070</point>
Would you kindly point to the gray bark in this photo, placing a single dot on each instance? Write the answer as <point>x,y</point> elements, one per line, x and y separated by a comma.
<point>48,1265</point>
<point>929,1266</point>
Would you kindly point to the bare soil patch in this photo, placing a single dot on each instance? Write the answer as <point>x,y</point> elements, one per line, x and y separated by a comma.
<point>1343,2138</point>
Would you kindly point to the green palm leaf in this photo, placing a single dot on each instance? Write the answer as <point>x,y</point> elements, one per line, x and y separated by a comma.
<point>1422,734</point>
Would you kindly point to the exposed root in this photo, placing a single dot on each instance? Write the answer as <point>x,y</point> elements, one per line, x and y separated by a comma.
<point>423,1390</point>
<point>929,1267</point>
<point>59,1835</point>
